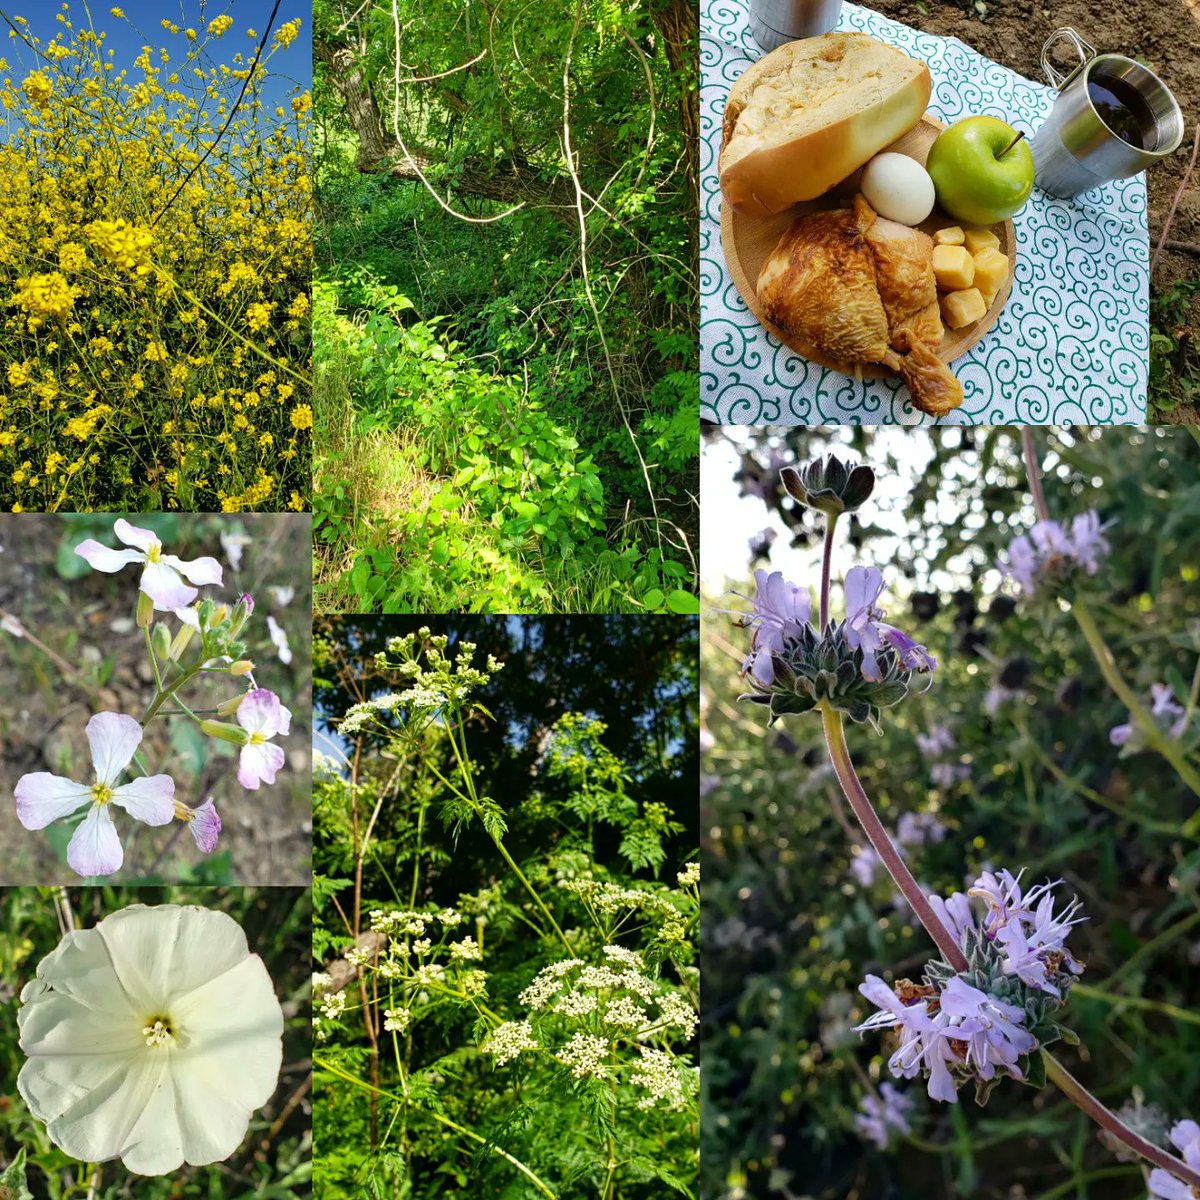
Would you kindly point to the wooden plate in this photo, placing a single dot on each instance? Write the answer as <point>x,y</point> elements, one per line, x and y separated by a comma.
<point>748,242</point>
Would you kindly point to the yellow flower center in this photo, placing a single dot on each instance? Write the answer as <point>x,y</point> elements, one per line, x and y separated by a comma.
<point>154,553</point>
<point>257,739</point>
<point>101,793</point>
<point>158,1032</point>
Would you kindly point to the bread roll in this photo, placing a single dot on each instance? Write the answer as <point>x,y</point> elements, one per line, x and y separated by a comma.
<point>807,115</point>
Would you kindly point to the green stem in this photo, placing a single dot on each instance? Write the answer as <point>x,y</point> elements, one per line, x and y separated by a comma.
<point>1095,797</point>
<point>465,771</point>
<point>153,658</point>
<point>366,1087</point>
<point>1155,738</point>
<point>1155,944</point>
<point>1069,1185</point>
<point>1159,1006</point>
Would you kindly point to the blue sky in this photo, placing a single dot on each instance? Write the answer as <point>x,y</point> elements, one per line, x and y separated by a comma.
<point>142,26</point>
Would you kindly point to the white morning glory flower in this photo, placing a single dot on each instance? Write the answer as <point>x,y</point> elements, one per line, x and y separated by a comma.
<point>94,848</point>
<point>152,1037</point>
<point>163,576</point>
<point>261,716</point>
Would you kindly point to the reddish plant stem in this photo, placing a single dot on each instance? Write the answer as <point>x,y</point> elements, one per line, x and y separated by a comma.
<point>864,810</point>
<point>1033,474</point>
<point>1080,1096</point>
<point>826,566</point>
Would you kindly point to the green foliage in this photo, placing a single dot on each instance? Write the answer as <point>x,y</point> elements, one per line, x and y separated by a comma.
<point>1174,351</point>
<point>514,403</point>
<point>790,931</point>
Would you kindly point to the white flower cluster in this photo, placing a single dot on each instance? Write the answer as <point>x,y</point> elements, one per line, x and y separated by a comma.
<point>396,1020</point>
<point>576,1004</point>
<point>321,982</point>
<point>466,950</point>
<point>690,875</point>
<point>611,898</point>
<point>658,1075</point>
<point>585,1055</point>
<point>399,924</point>
<point>508,1040</point>
<point>357,957</point>
<point>334,1005</point>
<point>547,982</point>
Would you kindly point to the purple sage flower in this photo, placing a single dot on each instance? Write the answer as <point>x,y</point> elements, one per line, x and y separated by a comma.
<point>1041,551</point>
<point>884,1116</point>
<point>997,1039</point>
<point>866,630</point>
<point>1164,708</point>
<point>1163,1185</point>
<point>780,610</point>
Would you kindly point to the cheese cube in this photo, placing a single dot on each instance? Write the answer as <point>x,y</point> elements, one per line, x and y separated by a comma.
<point>991,270</point>
<point>962,308</point>
<point>950,236</point>
<point>980,239</point>
<point>953,268</point>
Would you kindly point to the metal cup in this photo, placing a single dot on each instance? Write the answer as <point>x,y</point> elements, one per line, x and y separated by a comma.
<point>774,22</point>
<point>1075,150</point>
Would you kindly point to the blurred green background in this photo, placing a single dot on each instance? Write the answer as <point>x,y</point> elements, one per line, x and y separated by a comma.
<point>788,930</point>
<point>274,1159</point>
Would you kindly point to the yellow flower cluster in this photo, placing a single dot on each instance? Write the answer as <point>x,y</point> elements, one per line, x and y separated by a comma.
<point>45,296</point>
<point>154,277</point>
<point>119,241</point>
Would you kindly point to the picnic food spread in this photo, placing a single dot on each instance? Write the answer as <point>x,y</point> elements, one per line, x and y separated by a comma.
<point>870,274</point>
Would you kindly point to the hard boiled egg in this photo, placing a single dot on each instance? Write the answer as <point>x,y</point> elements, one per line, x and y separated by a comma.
<point>899,188</point>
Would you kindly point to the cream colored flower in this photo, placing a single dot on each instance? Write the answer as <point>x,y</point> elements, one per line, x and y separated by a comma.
<point>152,1038</point>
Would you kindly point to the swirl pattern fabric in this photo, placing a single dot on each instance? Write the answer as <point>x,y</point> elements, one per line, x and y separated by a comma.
<point>1071,345</point>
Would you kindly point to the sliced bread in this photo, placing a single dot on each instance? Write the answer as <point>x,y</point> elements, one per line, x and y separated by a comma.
<point>807,115</point>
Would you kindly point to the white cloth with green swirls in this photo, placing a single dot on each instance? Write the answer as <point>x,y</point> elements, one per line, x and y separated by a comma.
<point>1071,345</point>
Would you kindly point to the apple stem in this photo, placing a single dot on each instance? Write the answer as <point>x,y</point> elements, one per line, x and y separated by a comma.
<point>1011,144</point>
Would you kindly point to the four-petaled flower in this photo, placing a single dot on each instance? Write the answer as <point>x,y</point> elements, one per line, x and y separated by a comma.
<point>261,716</point>
<point>151,1037</point>
<point>95,848</point>
<point>163,575</point>
<point>867,631</point>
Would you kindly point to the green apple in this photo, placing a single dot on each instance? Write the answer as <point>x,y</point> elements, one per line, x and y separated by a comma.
<point>979,174</point>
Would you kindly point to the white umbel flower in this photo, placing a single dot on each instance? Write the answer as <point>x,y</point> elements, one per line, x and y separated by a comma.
<point>152,1038</point>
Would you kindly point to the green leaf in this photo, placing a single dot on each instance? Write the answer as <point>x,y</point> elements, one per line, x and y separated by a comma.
<point>66,562</point>
<point>1035,1072</point>
<point>440,551</point>
<point>683,602</point>
<point>12,1179</point>
<point>653,599</point>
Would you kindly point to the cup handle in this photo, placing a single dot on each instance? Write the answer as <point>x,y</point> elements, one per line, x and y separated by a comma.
<point>1085,51</point>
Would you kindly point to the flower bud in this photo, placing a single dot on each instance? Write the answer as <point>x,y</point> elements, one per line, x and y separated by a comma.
<point>145,611</point>
<point>243,666</point>
<point>226,733</point>
<point>242,610</point>
<point>829,485</point>
<point>160,640</point>
<point>182,640</point>
<point>205,612</point>
<point>230,706</point>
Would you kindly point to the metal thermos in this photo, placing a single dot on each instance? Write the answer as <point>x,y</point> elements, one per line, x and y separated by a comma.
<point>1075,150</point>
<point>773,22</point>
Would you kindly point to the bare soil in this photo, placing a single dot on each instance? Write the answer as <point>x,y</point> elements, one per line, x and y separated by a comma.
<point>1164,34</point>
<point>84,654</point>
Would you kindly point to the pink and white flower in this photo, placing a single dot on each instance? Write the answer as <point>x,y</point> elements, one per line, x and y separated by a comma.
<point>204,824</point>
<point>95,848</point>
<point>165,578</point>
<point>262,717</point>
